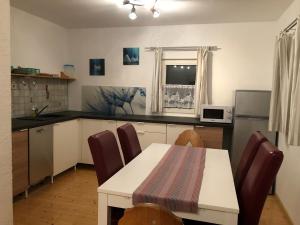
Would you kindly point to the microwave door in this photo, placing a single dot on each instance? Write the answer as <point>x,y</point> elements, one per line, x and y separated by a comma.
<point>213,114</point>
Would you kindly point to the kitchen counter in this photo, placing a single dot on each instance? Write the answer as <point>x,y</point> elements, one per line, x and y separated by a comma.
<point>25,123</point>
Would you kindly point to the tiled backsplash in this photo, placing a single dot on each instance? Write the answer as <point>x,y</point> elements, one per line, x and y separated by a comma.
<point>38,92</point>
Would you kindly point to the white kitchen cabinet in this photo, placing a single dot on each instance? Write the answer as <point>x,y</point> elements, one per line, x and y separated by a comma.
<point>91,127</point>
<point>148,133</point>
<point>66,145</point>
<point>173,131</point>
<point>147,138</point>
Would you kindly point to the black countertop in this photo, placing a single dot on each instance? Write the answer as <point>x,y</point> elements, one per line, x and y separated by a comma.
<point>23,123</point>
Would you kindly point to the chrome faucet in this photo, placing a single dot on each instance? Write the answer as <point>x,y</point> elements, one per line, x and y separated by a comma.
<point>37,112</point>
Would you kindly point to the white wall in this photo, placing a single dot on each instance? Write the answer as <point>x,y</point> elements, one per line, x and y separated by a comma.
<point>244,61</point>
<point>38,43</point>
<point>5,110</point>
<point>288,179</point>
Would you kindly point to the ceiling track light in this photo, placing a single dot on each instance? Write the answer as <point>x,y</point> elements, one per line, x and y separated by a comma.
<point>132,15</point>
<point>155,12</point>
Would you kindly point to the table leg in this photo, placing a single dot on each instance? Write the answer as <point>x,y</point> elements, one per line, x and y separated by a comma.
<point>232,220</point>
<point>102,209</point>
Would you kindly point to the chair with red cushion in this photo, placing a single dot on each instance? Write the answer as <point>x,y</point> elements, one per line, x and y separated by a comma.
<point>107,161</point>
<point>247,158</point>
<point>258,182</point>
<point>129,142</point>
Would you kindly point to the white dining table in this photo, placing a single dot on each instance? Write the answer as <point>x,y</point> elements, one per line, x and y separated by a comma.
<point>217,199</point>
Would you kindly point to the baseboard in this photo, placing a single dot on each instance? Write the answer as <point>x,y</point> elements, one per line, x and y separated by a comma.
<point>284,209</point>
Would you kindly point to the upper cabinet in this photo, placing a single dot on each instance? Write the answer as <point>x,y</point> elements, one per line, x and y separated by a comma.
<point>91,127</point>
<point>66,145</point>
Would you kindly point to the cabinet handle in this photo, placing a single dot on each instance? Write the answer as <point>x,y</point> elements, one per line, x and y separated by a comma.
<point>171,125</point>
<point>140,132</point>
<point>40,130</point>
<point>199,126</point>
<point>23,130</point>
<point>140,123</point>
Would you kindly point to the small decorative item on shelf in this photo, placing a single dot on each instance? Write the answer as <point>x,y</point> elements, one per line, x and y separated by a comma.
<point>26,71</point>
<point>65,76</point>
<point>47,75</point>
<point>69,70</point>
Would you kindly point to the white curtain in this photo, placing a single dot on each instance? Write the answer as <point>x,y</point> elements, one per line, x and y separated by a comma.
<point>157,87</point>
<point>294,125</point>
<point>283,72</point>
<point>202,66</point>
<point>179,96</point>
<point>285,100</point>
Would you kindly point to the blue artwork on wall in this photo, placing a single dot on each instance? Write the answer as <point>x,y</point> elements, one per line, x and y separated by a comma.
<point>107,100</point>
<point>131,56</point>
<point>97,67</point>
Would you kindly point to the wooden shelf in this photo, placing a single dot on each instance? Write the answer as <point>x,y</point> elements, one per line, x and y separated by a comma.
<point>42,76</point>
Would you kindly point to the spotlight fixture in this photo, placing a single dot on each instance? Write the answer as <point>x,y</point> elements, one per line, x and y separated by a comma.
<point>132,15</point>
<point>155,12</point>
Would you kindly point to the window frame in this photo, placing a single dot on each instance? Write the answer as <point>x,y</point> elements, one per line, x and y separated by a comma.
<point>180,62</point>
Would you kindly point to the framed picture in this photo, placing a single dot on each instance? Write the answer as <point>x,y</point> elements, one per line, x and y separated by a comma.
<point>131,56</point>
<point>97,67</point>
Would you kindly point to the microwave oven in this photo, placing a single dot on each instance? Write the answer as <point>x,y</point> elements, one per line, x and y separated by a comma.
<point>216,114</point>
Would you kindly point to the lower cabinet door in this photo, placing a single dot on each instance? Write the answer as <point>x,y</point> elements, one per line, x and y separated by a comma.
<point>173,131</point>
<point>212,136</point>
<point>91,127</point>
<point>66,145</point>
<point>147,138</point>
<point>20,161</point>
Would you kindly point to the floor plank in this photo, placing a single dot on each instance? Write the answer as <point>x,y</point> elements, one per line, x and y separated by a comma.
<point>72,200</point>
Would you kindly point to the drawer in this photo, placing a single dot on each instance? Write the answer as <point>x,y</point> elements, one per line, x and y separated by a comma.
<point>146,127</point>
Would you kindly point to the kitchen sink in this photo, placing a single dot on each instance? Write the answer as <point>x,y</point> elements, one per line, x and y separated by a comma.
<point>42,117</point>
<point>50,116</point>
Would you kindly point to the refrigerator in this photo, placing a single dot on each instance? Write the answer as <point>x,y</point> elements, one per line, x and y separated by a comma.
<point>251,114</point>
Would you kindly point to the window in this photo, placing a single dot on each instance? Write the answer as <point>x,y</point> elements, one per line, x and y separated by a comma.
<point>179,80</point>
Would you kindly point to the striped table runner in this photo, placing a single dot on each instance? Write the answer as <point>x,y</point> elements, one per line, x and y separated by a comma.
<point>176,181</point>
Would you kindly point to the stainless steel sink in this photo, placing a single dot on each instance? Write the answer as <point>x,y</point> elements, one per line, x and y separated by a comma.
<point>42,117</point>
<point>50,116</point>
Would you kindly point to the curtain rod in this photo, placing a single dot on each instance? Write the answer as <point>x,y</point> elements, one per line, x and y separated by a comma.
<point>185,48</point>
<point>291,25</point>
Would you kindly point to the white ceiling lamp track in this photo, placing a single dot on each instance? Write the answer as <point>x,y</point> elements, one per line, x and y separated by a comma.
<point>132,15</point>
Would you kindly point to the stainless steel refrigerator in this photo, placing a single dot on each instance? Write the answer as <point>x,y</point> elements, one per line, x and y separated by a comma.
<point>251,114</point>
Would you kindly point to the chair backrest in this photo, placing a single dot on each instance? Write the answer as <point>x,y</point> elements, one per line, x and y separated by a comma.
<point>148,213</point>
<point>190,137</point>
<point>129,142</point>
<point>106,155</point>
<point>258,182</point>
<point>247,158</point>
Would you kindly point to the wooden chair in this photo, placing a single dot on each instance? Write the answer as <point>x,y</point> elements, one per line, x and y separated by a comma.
<point>190,137</point>
<point>149,214</point>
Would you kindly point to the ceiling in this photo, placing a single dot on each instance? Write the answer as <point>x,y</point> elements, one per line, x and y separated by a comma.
<point>111,13</point>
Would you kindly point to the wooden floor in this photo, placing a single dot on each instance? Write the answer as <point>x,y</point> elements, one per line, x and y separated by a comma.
<point>72,200</point>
